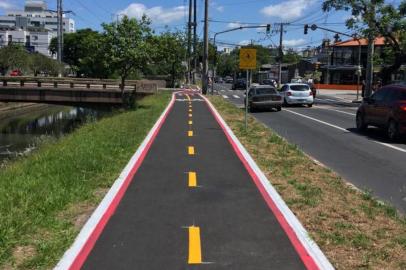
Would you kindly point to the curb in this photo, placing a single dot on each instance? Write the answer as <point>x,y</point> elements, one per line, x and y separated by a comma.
<point>307,249</point>
<point>77,254</point>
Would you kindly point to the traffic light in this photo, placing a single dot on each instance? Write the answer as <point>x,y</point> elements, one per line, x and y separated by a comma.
<point>268,28</point>
<point>306,28</point>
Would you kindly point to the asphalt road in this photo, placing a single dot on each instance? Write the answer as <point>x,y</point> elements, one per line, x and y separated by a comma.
<point>149,229</point>
<point>327,133</point>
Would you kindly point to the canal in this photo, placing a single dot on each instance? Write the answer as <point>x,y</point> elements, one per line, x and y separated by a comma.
<point>22,130</point>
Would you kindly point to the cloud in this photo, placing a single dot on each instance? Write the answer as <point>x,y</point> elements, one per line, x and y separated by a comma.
<point>288,10</point>
<point>157,14</point>
<point>294,42</point>
<point>4,4</point>
<point>244,42</point>
<point>220,8</point>
<point>235,25</point>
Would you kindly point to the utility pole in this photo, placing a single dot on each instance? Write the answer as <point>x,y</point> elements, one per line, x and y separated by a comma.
<point>206,47</point>
<point>195,58</point>
<point>60,30</point>
<point>280,55</point>
<point>369,77</point>
<point>189,43</point>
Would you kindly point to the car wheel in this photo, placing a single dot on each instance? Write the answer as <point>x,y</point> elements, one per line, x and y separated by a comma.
<point>360,121</point>
<point>279,108</point>
<point>309,105</point>
<point>393,130</point>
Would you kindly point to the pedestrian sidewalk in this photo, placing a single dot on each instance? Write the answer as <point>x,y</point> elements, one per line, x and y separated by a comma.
<point>192,197</point>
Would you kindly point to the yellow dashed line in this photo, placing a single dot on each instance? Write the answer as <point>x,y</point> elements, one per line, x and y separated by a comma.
<point>191,150</point>
<point>190,115</point>
<point>190,122</point>
<point>192,179</point>
<point>195,250</point>
<point>190,133</point>
<point>190,110</point>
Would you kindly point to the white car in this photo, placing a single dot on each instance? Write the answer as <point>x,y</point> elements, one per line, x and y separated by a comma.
<point>297,93</point>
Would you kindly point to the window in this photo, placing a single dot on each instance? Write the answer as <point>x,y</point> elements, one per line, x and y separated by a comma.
<point>266,91</point>
<point>380,94</point>
<point>402,95</point>
<point>284,88</point>
<point>299,87</point>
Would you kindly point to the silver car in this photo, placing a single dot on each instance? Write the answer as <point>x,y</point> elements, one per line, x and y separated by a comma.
<point>264,97</point>
<point>297,93</point>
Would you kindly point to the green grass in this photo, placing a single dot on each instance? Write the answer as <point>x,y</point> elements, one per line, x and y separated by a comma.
<point>36,192</point>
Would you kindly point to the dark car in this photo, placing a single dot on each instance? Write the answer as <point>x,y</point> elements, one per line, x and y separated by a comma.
<point>313,88</point>
<point>240,84</point>
<point>228,79</point>
<point>386,108</point>
<point>264,97</point>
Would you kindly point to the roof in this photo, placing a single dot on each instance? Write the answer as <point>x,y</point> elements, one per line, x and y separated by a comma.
<point>379,41</point>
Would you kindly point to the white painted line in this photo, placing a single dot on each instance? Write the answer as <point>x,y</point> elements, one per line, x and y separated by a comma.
<point>302,235</point>
<point>72,254</point>
<point>353,114</point>
<point>224,96</point>
<point>346,131</point>
<point>235,96</point>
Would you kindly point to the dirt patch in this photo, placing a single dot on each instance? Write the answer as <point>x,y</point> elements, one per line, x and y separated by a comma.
<point>353,229</point>
<point>22,254</point>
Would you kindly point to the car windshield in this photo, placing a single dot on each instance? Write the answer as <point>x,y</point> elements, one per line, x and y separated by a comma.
<point>402,95</point>
<point>300,87</point>
<point>265,91</point>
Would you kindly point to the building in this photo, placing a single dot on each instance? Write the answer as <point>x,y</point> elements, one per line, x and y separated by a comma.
<point>33,27</point>
<point>339,61</point>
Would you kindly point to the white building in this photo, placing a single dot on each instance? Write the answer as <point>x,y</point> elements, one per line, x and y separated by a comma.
<point>34,39</point>
<point>34,26</point>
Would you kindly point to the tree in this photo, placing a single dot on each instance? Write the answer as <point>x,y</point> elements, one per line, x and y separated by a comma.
<point>13,57</point>
<point>40,63</point>
<point>83,51</point>
<point>167,55</point>
<point>127,49</point>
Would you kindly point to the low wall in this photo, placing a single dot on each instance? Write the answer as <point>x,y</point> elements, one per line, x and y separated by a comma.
<point>337,86</point>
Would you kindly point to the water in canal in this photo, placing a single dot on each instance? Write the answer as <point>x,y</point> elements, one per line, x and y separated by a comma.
<point>21,130</point>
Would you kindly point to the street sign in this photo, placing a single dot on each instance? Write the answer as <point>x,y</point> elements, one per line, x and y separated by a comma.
<point>248,58</point>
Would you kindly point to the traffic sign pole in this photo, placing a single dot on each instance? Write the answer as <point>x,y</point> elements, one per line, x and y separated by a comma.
<point>248,61</point>
<point>246,101</point>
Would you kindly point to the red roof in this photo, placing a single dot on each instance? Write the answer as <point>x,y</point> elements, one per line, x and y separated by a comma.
<point>379,41</point>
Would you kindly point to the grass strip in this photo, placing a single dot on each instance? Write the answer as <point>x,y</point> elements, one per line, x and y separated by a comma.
<point>353,229</point>
<point>47,197</point>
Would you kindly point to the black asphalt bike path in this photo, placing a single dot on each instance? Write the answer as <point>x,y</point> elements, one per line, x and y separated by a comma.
<point>149,228</point>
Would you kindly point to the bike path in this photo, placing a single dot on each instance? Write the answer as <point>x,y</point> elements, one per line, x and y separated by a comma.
<point>164,222</point>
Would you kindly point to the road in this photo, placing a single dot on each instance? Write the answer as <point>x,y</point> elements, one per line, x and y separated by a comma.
<point>327,133</point>
<point>193,204</point>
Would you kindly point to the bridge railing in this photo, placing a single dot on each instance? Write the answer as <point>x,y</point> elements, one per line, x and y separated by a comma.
<point>141,86</point>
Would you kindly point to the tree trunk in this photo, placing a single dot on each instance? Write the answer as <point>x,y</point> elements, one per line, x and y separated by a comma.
<point>388,71</point>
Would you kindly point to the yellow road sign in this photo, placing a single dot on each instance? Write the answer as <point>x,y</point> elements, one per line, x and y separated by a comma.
<point>248,58</point>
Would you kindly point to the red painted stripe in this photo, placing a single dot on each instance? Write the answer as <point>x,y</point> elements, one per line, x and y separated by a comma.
<point>91,241</point>
<point>300,249</point>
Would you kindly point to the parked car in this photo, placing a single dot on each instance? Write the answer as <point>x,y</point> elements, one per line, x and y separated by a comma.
<point>264,97</point>
<point>240,84</point>
<point>15,73</point>
<point>297,93</point>
<point>386,109</point>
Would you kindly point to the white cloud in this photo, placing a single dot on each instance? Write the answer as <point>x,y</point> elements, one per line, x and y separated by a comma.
<point>157,14</point>
<point>244,42</point>
<point>294,42</point>
<point>4,4</point>
<point>235,25</point>
<point>288,10</point>
<point>220,8</point>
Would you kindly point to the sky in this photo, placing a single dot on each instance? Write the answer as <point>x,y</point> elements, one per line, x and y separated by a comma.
<point>223,15</point>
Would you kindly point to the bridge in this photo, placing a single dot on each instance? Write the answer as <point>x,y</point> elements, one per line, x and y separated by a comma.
<point>75,91</point>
